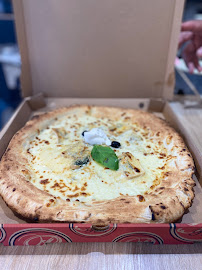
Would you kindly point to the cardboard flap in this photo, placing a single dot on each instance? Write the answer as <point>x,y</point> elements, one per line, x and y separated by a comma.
<point>109,48</point>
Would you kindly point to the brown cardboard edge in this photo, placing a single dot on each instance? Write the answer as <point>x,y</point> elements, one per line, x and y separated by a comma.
<point>169,79</point>
<point>172,117</point>
<point>156,105</point>
<point>19,118</point>
<point>26,80</point>
<point>36,102</point>
<point>135,103</point>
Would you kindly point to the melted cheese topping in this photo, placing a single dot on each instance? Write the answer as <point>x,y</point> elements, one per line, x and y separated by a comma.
<point>54,152</point>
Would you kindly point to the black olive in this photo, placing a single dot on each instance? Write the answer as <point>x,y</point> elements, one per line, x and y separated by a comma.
<point>83,132</point>
<point>115,144</point>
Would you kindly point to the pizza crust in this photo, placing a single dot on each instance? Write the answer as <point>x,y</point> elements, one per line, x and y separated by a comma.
<point>164,203</point>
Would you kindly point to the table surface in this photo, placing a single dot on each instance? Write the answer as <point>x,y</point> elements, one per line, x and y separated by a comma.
<point>110,255</point>
<point>102,256</point>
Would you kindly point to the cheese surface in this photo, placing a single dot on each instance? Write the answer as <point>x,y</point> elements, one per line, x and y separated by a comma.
<point>61,164</point>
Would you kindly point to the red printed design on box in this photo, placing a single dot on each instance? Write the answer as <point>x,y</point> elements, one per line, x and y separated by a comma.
<point>40,234</point>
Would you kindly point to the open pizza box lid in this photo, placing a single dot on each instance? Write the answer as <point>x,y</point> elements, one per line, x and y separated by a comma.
<point>109,49</point>
<point>85,51</point>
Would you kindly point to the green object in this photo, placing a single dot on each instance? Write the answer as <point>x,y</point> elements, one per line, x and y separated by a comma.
<point>105,156</point>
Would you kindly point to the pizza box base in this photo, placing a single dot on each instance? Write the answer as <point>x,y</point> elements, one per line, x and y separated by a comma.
<point>16,231</point>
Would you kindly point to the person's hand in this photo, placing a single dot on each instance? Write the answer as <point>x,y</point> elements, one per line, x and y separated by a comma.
<point>191,32</point>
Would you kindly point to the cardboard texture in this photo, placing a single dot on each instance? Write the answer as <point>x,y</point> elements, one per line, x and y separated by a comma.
<point>109,48</point>
<point>86,52</point>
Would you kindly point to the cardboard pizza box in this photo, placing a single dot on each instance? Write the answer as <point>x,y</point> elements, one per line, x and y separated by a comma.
<point>115,53</point>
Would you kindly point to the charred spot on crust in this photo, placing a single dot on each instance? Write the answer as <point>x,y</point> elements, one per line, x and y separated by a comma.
<point>43,182</point>
<point>36,219</point>
<point>55,185</point>
<point>74,195</point>
<point>113,129</point>
<point>162,155</point>
<point>58,213</point>
<point>84,193</point>
<point>163,206</point>
<point>14,189</point>
<point>75,189</point>
<point>153,215</point>
<point>141,198</point>
<point>182,205</point>
<point>136,169</point>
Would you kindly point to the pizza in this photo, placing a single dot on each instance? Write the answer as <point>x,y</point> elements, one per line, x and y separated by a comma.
<point>97,165</point>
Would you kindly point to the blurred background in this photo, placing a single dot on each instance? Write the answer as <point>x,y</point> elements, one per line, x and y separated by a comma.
<point>10,64</point>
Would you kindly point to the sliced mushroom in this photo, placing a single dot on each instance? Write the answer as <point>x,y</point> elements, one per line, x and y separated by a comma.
<point>131,166</point>
<point>118,129</point>
<point>61,134</point>
<point>79,155</point>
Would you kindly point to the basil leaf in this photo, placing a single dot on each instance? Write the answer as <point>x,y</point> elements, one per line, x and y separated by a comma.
<point>105,156</point>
